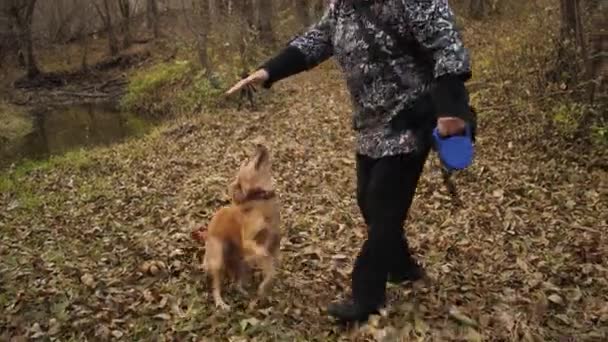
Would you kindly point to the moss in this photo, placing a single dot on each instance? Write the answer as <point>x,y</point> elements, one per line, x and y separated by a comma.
<point>599,134</point>
<point>6,184</point>
<point>144,83</point>
<point>137,126</point>
<point>77,159</point>
<point>14,122</point>
<point>201,91</point>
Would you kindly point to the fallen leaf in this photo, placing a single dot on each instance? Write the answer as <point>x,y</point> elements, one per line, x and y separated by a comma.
<point>36,331</point>
<point>461,318</point>
<point>54,327</point>
<point>88,280</point>
<point>163,316</point>
<point>249,322</point>
<point>555,298</point>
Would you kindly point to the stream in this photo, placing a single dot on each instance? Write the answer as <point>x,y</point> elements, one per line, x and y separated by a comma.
<point>42,133</point>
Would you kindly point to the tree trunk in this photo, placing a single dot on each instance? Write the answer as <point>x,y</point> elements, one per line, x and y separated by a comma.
<point>266,15</point>
<point>598,45</point>
<point>244,10</point>
<point>317,7</point>
<point>247,13</point>
<point>23,17</point>
<point>302,12</point>
<point>125,12</point>
<point>152,17</point>
<point>477,8</point>
<point>105,14</point>
<point>568,18</point>
<point>221,8</point>
<point>202,24</point>
<point>571,51</point>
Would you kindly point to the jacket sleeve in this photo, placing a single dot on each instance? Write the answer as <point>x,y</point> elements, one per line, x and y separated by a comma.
<point>303,52</point>
<point>432,24</point>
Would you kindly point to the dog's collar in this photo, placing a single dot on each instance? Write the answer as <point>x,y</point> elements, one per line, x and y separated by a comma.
<point>259,195</point>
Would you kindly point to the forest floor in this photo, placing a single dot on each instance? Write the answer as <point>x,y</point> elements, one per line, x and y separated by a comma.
<point>523,258</point>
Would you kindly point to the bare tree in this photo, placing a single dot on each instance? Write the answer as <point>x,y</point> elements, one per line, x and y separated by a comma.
<point>220,8</point>
<point>125,11</point>
<point>201,30</point>
<point>266,13</point>
<point>105,13</point>
<point>7,36</point>
<point>477,8</point>
<point>571,22</point>
<point>317,7</point>
<point>81,29</point>
<point>302,13</point>
<point>21,12</point>
<point>244,10</point>
<point>598,45</point>
<point>571,47</point>
<point>153,21</point>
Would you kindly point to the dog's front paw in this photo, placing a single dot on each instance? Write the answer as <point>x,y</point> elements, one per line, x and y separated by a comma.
<point>263,289</point>
<point>242,290</point>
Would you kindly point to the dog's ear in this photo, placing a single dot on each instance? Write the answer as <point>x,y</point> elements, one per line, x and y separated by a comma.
<point>262,156</point>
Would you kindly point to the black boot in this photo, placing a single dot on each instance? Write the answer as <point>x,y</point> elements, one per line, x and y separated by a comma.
<point>413,272</point>
<point>350,311</point>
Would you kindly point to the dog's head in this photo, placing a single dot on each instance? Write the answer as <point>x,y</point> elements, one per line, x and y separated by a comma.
<point>254,175</point>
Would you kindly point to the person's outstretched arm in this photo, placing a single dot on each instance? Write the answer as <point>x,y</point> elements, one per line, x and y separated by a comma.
<point>432,23</point>
<point>303,52</point>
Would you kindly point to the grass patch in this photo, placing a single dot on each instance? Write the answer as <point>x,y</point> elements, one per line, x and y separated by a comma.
<point>18,182</point>
<point>144,84</point>
<point>14,122</point>
<point>6,184</point>
<point>138,127</point>
<point>28,166</point>
<point>599,134</point>
<point>202,91</point>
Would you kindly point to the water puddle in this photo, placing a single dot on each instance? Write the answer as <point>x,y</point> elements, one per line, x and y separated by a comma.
<point>42,133</point>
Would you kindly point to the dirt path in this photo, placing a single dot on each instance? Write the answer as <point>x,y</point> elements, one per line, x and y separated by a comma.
<point>522,259</point>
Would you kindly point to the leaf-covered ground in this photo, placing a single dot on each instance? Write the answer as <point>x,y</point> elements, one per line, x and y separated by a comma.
<point>96,245</point>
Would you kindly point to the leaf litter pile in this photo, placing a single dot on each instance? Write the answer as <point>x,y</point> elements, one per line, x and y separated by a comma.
<point>105,252</point>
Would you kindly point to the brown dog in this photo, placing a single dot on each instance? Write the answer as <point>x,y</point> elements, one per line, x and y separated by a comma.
<point>246,233</point>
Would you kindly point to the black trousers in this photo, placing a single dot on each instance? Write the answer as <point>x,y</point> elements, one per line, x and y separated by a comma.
<point>385,190</point>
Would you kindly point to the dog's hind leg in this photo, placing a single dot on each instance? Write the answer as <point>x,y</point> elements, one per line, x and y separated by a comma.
<point>268,270</point>
<point>242,273</point>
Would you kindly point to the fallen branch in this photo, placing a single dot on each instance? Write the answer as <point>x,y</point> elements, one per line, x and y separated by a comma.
<point>81,94</point>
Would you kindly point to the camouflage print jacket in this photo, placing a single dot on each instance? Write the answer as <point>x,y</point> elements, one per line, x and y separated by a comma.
<point>403,61</point>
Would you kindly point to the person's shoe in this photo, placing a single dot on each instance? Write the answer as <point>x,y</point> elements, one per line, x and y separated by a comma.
<point>349,311</point>
<point>412,274</point>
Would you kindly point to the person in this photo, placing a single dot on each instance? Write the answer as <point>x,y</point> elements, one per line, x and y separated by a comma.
<point>405,67</point>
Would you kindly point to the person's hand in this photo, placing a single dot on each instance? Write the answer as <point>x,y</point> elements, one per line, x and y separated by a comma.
<point>257,77</point>
<point>450,126</point>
